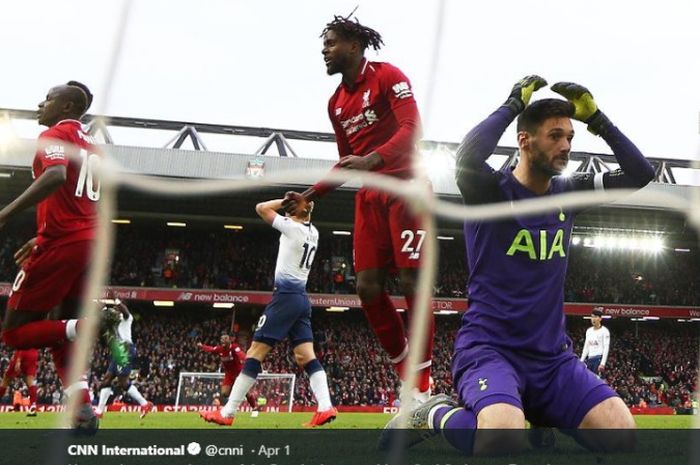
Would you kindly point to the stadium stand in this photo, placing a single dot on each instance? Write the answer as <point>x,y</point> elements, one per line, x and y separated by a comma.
<point>651,363</point>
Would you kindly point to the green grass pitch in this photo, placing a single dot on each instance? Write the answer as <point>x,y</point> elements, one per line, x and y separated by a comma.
<point>171,420</point>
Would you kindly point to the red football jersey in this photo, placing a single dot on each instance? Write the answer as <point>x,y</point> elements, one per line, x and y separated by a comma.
<point>69,214</point>
<point>378,113</point>
<point>232,357</point>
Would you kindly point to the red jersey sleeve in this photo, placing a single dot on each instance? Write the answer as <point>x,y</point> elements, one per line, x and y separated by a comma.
<point>239,353</point>
<point>397,90</point>
<point>209,349</point>
<point>52,150</point>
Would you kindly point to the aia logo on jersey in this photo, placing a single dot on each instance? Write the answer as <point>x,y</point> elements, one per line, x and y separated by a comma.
<point>402,90</point>
<point>365,98</point>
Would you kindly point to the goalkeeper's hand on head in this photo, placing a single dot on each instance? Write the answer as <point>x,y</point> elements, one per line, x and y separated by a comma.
<point>585,108</point>
<point>522,92</point>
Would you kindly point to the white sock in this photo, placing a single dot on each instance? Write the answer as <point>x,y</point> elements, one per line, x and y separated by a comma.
<point>319,386</point>
<point>71,334</point>
<point>240,388</point>
<point>104,397</point>
<point>136,395</point>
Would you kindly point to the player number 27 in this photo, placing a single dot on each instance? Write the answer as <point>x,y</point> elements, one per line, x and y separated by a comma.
<point>87,179</point>
<point>412,241</point>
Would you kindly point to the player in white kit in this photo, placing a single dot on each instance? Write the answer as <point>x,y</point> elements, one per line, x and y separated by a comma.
<point>122,372</point>
<point>597,345</point>
<point>288,314</point>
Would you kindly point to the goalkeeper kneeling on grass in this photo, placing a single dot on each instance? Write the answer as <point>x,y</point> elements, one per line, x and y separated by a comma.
<point>288,314</point>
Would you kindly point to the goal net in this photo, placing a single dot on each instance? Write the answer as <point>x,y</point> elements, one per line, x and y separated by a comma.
<point>273,392</point>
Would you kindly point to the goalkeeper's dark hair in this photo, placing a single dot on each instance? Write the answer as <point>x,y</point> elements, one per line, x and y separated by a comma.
<point>353,30</point>
<point>540,110</point>
<point>86,92</point>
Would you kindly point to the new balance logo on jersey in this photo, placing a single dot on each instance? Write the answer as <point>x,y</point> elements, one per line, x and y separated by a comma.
<point>483,384</point>
<point>338,111</point>
<point>402,90</point>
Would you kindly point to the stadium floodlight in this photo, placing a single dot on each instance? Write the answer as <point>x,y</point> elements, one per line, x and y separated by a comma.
<point>5,175</point>
<point>163,303</point>
<point>446,312</point>
<point>437,162</point>
<point>223,305</point>
<point>121,221</point>
<point>176,224</point>
<point>650,318</point>
<point>695,319</point>
<point>235,227</point>
<point>682,250</point>
<point>657,244</point>
<point>342,233</point>
<point>575,240</point>
<point>445,238</point>
<point>400,310</point>
<point>337,309</point>
<point>588,242</point>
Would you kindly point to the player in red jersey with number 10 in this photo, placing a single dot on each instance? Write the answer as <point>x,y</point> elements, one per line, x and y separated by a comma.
<point>377,125</point>
<point>55,263</point>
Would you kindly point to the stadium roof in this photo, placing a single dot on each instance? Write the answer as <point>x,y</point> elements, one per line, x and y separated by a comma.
<point>172,161</point>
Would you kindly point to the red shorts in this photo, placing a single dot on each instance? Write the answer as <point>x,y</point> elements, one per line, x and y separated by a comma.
<point>387,234</point>
<point>51,276</point>
<point>230,377</point>
<point>27,365</point>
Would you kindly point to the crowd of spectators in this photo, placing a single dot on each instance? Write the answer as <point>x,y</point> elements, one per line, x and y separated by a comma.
<point>650,364</point>
<point>245,260</point>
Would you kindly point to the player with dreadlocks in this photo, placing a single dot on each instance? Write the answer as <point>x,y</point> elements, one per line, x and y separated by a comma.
<point>376,123</point>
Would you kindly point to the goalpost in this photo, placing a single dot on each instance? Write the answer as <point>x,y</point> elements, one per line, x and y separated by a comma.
<point>199,388</point>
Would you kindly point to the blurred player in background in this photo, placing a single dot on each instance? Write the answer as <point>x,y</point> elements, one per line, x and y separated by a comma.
<point>23,363</point>
<point>377,125</point>
<point>288,314</point>
<point>122,372</point>
<point>55,263</point>
<point>597,344</point>
<point>232,358</point>
<point>513,359</point>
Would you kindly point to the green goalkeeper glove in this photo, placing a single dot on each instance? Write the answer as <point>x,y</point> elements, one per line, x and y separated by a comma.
<point>522,92</point>
<point>585,108</point>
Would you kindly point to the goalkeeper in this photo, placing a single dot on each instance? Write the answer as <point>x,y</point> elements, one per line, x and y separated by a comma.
<point>513,359</point>
<point>288,314</point>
